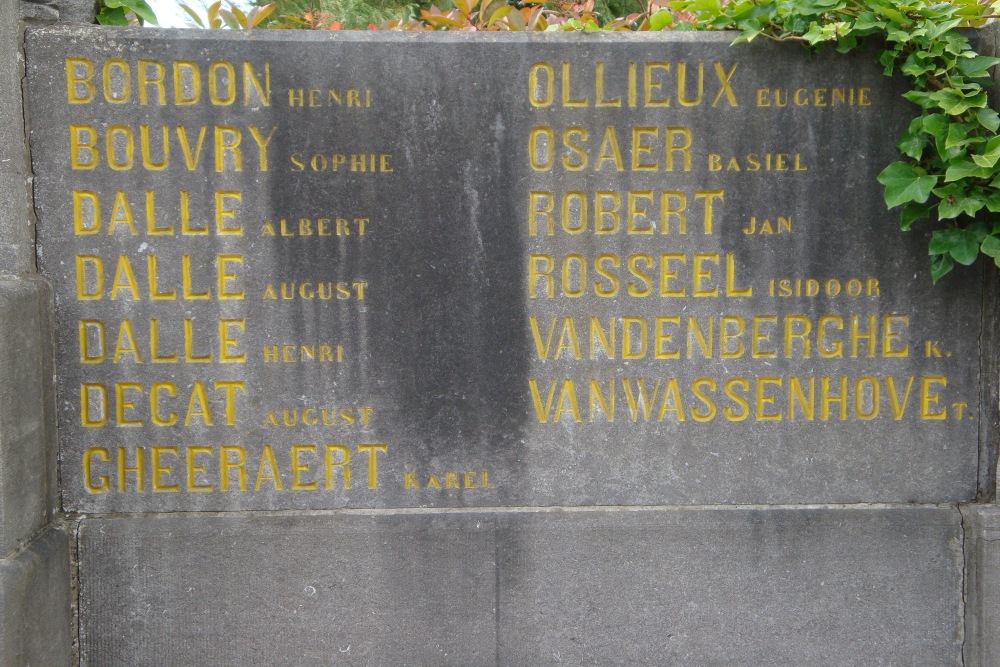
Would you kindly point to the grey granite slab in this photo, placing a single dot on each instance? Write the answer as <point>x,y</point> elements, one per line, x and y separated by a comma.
<point>752,326</point>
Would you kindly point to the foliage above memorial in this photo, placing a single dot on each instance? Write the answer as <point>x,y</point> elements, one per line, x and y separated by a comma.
<point>950,174</point>
<point>123,12</point>
<point>217,16</point>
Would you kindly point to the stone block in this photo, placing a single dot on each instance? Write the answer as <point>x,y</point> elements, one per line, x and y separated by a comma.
<point>77,11</point>
<point>606,587</point>
<point>38,12</point>
<point>982,611</point>
<point>35,604</point>
<point>732,587</point>
<point>306,590</point>
<point>27,440</point>
<point>17,236</point>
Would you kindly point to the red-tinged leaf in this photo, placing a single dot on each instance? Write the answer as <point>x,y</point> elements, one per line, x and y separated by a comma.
<point>444,22</point>
<point>515,20</point>
<point>194,16</point>
<point>213,11</point>
<point>238,13</point>
<point>258,15</point>
<point>231,21</point>
<point>499,14</point>
<point>536,19</point>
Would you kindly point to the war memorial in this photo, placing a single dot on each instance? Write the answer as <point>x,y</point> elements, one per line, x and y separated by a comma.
<point>316,349</point>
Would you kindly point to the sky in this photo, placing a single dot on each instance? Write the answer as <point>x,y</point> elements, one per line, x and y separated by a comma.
<point>171,15</point>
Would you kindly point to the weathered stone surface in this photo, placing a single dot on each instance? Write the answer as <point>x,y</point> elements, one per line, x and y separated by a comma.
<point>766,587</point>
<point>469,352</point>
<point>67,11</point>
<point>27,445</point>
<point>77,11</point>
<point>734,587</point>
<point>982,610</point>
<point>36,11</point>
<point>35,603</point>
<point>17,251</point>
<point>307,590</point>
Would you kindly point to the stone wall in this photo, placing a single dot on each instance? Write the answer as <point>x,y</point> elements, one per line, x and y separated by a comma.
<point>36,625</point>
<point>472,499</point>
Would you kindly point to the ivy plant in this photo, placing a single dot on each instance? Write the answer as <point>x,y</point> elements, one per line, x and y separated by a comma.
<point>950,175</point>
<point>116,12</point>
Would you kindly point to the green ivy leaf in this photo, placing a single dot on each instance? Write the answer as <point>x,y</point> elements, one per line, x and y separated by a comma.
<point>955,44</point>
<point>112,16</point>
<point>960,244</point>
<point>867,21</point>
<point>990,246</point>
<point>890,13</point>
<point>661,20</point>
<point>955,201</point>
<point>911,213</point>
<point>898,36</point>
<point>978,66</point>
<point>959,134</point>
<point>813,7</point>
<point>980,229</point>
<point>941,265</point>
<point>965,169</point>
<point>912,144</point>
<point>710,6</point>
<point>904,184</point>
<point>989,156</point>
<point>141,9</point>
<point>955,103</point>
<point>937,124</point>
<point>935,30</point>
<point>915,66</point>
<point>988,118</point>
<point>921,98</point>
<point>888,61</point>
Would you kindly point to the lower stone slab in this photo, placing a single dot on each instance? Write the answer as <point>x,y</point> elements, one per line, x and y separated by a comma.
<point>606,587</point>
<point>303,590</point>
<point>733,587</point>
<point>35,603</point>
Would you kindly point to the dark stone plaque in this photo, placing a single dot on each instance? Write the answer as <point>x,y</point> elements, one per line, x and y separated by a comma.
<point>319,271</point>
